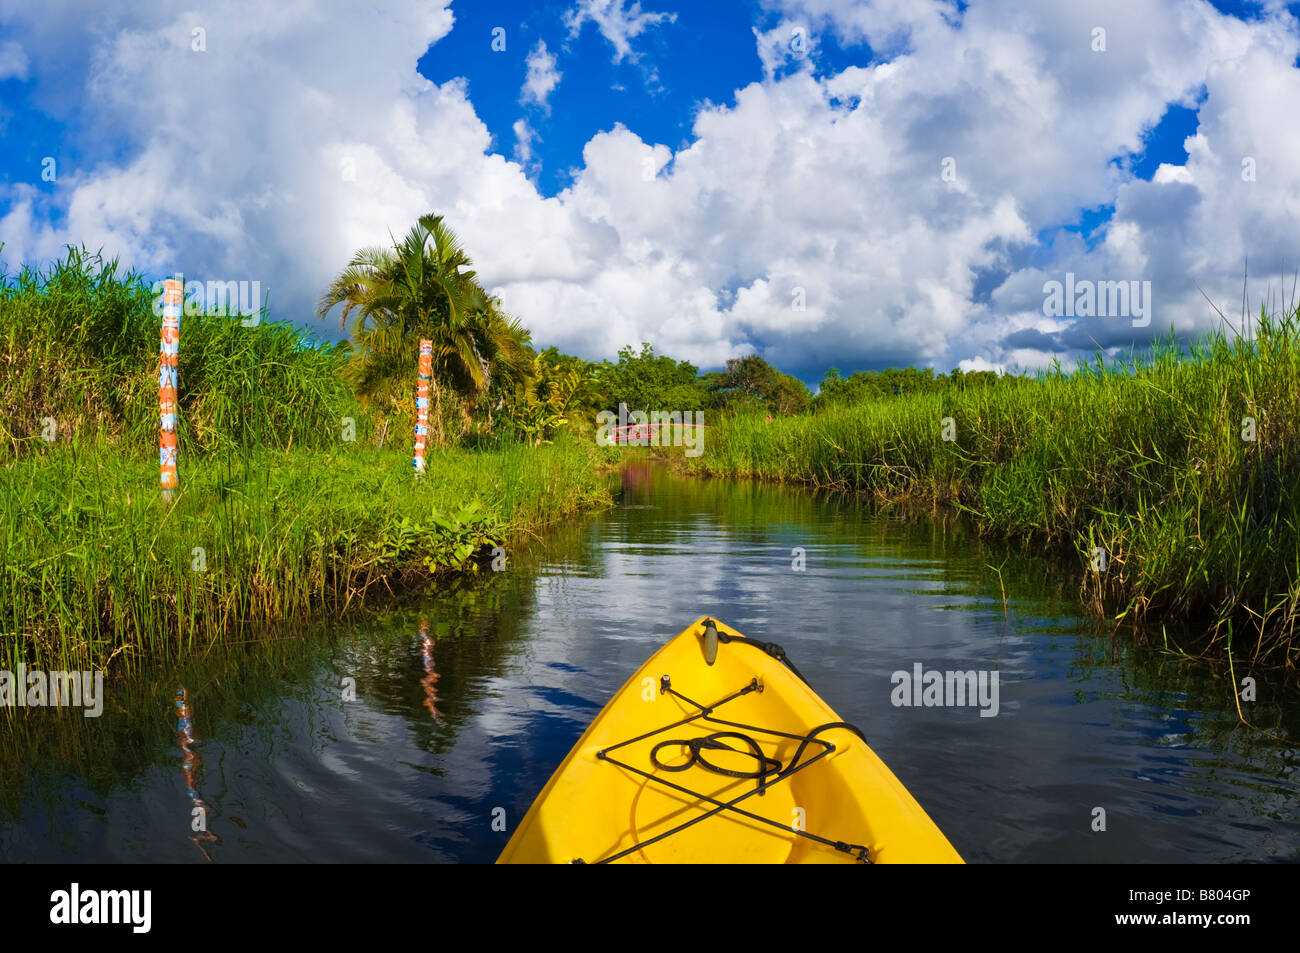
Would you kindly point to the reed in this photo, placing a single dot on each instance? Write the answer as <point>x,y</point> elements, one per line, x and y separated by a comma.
<point>1146,458</point>
<point>286,508</point>
<point>96,567</point>
<point>80,347</point>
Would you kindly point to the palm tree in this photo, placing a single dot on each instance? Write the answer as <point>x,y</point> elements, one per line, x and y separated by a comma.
<point>423,288</point>
<point>508,357</point>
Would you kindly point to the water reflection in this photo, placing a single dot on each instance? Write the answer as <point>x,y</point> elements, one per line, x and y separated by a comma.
<point>190,763</point>
<point>501,678</point>
<point>430,676</point>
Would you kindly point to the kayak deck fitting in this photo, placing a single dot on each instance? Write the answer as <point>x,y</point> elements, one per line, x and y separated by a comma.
<point>718,751</point>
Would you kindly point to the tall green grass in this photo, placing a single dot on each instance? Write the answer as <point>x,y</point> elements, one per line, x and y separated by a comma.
<point>80,345</point>
<point>95,566</point>
<point>287,507</point>
<point>1143,458</point>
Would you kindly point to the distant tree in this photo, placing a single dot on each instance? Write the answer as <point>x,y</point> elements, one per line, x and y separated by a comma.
<point>789,396</point>
<point>649,381</point>
<point>750,376</point>
<point>752,380</point>
<point>981,378</point>
<point>559,390</point>
<point>895,382</point>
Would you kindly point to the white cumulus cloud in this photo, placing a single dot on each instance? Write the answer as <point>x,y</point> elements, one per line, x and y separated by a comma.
<point>542,77</point>
<point>617,22</point>
<point>13,61</point>
<point>812,217</point>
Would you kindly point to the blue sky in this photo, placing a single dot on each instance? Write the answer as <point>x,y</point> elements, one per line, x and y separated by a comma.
<point>700,56</point>
<point>703,55</point>
<point>777,174</point>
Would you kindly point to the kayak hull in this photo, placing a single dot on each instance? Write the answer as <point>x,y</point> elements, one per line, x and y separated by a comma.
<point>616,797</point>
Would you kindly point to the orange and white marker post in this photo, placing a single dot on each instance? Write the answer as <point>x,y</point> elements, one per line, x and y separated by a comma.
<point>422,403</point>
<point>169,352</point>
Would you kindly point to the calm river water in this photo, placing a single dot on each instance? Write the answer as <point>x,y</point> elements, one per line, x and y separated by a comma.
<point>466,702</point>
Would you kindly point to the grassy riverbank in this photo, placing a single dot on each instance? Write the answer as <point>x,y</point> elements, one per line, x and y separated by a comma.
<point>294,502</point>
<point>1150,461</point>
<point>96,566</point>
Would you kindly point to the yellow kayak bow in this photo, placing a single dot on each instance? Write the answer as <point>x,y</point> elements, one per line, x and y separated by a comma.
<point>717,751</point>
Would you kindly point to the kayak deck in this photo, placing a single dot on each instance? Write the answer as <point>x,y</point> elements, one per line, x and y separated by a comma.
<point>691,762</point>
